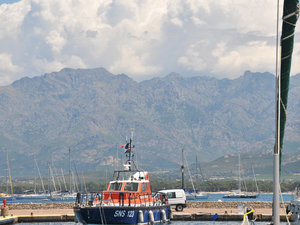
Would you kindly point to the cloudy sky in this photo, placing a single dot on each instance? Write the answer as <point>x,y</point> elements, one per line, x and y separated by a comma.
<point>141,38</point>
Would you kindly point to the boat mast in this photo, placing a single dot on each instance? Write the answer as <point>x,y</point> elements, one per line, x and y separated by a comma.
<point>239,173</point>
<point>34,179</point>
<point>129,148</point>
<point>70,176</point>
<point>283,68</point>
<point>189,172</point>
<point>276,212</point>
<point>255,181</point>
<point>8,168</point>
<point>38,169</point>
<point>52,177</point>
<point>64,180</point>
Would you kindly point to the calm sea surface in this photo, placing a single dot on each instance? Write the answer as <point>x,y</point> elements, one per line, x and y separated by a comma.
<point>261,197</point>
<point>212,198</point>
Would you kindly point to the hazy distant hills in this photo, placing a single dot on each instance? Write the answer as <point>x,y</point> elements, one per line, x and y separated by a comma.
<point>91,111</point>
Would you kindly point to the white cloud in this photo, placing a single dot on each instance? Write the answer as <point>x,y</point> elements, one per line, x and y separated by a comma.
<point>256,56</point>
<point>56,41</point>
<point>194,59</point>
<point>69,61</point>
<point>11,18</point>
<point>133,63</point>
<point>141,38</point>
<point>7,69</point>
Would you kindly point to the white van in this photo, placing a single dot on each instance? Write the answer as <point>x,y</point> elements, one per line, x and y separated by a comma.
<point>176,197</point>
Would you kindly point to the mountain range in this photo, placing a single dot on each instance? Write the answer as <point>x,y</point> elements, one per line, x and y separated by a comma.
<point>92,111</point>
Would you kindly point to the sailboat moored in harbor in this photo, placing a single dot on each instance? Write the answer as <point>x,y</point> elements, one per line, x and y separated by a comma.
<point>239,193</point>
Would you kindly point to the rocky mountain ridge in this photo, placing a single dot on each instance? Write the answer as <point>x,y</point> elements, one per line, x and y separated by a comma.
<point>91,112</point>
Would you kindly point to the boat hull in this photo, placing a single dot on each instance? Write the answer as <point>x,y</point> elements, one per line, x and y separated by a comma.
<point>193,197</point>
<point>9,198</point>
<point>240,196</point>
<point>122,215</point>
<point>6,220</point>
<point>32,197</point>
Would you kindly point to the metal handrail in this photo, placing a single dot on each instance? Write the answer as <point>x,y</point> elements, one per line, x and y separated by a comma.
<point>134,199</point>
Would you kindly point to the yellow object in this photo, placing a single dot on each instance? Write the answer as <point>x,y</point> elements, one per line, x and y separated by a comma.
<point>251,211</point>
<point>2,195</point>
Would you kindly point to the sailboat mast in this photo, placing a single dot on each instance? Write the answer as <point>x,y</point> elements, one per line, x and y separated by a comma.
<point>70,176</point>
<point>8,168</point>
<point>182,171</point>
<point>64,180</point>
<point>34,179</point>
<point>283,69</point>
<point>38,169</point>
<point>255,181</point>
<point>52,177</point>
<point>6,177</point>
<point>276,203</point>
<point>276,184</point>
<point>239,173</point>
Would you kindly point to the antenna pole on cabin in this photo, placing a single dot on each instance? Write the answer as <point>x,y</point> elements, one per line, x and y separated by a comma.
<point>182,172</point>
<point>130,148</point>
<point>130,145</point>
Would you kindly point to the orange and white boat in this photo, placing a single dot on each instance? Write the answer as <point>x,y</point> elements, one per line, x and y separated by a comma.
<point>127,199</point>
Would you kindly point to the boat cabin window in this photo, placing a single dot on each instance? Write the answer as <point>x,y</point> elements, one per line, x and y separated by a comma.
<point>143,187</point>
<point>129,186</point>
<point>115,186</point>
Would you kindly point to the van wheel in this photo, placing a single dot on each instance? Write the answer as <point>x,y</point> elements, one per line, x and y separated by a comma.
<point>179,208</point>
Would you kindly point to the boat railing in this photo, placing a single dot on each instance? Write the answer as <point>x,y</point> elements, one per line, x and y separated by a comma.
<point>108,198</point>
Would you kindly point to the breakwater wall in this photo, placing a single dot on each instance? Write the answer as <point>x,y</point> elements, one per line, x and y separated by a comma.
<point>70,205</point>
<point>226,205</point>
<point>36,206</point>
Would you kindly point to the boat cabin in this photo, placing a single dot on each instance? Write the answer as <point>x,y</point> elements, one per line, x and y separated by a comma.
<point>133,190</point>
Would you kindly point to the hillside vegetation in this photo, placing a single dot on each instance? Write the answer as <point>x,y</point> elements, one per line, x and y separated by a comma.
<point>91,112</point>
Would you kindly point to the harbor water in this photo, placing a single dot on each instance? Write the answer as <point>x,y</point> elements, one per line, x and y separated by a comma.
<point>212,198</point>
<point>174,223</point>
<point>260,198</point>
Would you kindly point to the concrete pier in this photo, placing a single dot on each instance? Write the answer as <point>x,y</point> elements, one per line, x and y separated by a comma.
<point>219,217</point>
<point>195,211</point>
<point>44,218</point>
<point>176,217</point>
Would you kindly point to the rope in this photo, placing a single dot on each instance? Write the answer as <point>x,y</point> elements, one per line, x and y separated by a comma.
<point>284,206</point>
<point>244,218</point>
